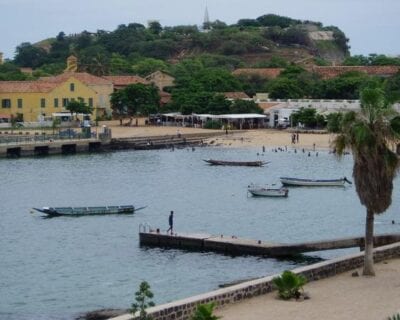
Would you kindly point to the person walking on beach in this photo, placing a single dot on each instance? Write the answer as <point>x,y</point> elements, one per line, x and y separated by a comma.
<point>171,222</point>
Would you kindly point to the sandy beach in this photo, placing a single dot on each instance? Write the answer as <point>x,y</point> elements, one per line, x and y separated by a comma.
<point>337,298</point>
<point>235,139</point>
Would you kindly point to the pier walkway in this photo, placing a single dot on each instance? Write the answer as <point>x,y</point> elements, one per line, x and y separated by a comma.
<point>239,246</point>
<point>49,145</point>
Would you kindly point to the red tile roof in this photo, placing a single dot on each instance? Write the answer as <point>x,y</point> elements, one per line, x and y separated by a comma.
<point>84,77</point>
<point>123,81</point>
<point>262,72</point>
<point>26,86</point>
<point>46,84</point>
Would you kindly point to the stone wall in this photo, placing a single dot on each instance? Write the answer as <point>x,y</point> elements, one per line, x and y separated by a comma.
<point>183,309</point>
<point>334,71</point>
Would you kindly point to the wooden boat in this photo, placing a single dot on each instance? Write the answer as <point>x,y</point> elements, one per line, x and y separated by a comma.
<point>235,163</point>
<point>266,191</point>
<point>87,211</point>
<point>314,182</point>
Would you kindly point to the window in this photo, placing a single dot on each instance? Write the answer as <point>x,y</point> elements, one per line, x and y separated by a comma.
<point>65,102</point>
<point>55,102</point>
<point>6,103</point>
<point>90,102</point>
<point>43,103</point>
<point>72,86</point>
<point>19,103</point>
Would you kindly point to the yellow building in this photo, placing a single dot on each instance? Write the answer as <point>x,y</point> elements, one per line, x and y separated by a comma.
<point>34,100</point>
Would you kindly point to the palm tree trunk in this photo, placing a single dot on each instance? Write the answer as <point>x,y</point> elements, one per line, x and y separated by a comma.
<point>369,245</point>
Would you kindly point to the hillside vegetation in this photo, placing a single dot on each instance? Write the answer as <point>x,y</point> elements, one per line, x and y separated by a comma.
<point>248,43</point>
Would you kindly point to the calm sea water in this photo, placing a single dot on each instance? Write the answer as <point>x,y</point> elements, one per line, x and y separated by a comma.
<point>58,268</point>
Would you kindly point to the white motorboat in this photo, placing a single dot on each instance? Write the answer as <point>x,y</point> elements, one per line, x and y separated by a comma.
<point>267,191</point>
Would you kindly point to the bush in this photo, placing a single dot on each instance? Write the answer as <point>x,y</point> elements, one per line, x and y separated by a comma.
<point>205,312</point>
<point>289,285</point>
<point>142,297</point>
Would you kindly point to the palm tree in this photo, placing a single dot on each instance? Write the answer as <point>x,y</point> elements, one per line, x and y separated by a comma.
<point>369,134</point>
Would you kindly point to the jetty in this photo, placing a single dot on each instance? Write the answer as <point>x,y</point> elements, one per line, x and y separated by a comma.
<point>44,145</point>
<point>240,246</point>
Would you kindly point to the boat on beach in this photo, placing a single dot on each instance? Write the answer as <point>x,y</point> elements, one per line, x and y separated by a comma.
<point>286,181</point>
<point>87,211</point>
<point>267,191</point>
<point>235,163</point>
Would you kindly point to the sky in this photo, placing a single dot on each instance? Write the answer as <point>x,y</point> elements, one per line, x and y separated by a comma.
<point>371,25</point>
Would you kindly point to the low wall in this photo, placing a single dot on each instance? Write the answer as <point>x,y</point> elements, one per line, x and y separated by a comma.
<point>183,309</point>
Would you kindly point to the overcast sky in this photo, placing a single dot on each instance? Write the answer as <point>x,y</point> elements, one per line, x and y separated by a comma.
<point>371,25</point>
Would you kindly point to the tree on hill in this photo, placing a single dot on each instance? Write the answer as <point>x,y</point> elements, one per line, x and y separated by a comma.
<point>272,20</point>
<point>59,48</point>
<point>10,72</point>
<point>28,55</point>
<point>155,27</point>
<point>369,134</point>
<point>392,88</point>
<point>285,88</point>
<point>248,23</point>
<point>345,86</point>
<point>149,65</point>
<point>371,60</point>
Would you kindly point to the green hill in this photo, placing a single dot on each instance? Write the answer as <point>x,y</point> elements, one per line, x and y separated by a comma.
<point>263,41</point>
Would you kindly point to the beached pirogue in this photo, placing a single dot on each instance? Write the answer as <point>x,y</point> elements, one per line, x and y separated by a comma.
<point>87,211</point>
<point>235,163</point>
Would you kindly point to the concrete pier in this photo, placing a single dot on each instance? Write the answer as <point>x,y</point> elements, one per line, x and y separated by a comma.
<point>49,148</point>
<point>240,246</point>
<point>71,146</point>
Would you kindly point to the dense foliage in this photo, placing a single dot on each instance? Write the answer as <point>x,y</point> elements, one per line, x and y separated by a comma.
<point>308,117</point>
<point>289,285</point>
<point>136,99</point>
<point>104,52</point>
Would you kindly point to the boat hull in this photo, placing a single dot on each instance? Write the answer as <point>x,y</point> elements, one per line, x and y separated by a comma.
<point>235,163</point>
<point>268,192</point>
<point>312,183</point>
<point>86,211</point>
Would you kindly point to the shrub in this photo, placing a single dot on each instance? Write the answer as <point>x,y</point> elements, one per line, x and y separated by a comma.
<point>205,312</point>
<point>142,302</point>
<point>289,285</point>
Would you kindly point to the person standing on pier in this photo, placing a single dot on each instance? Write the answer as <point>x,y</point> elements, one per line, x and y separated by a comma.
<point>171,222</point>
